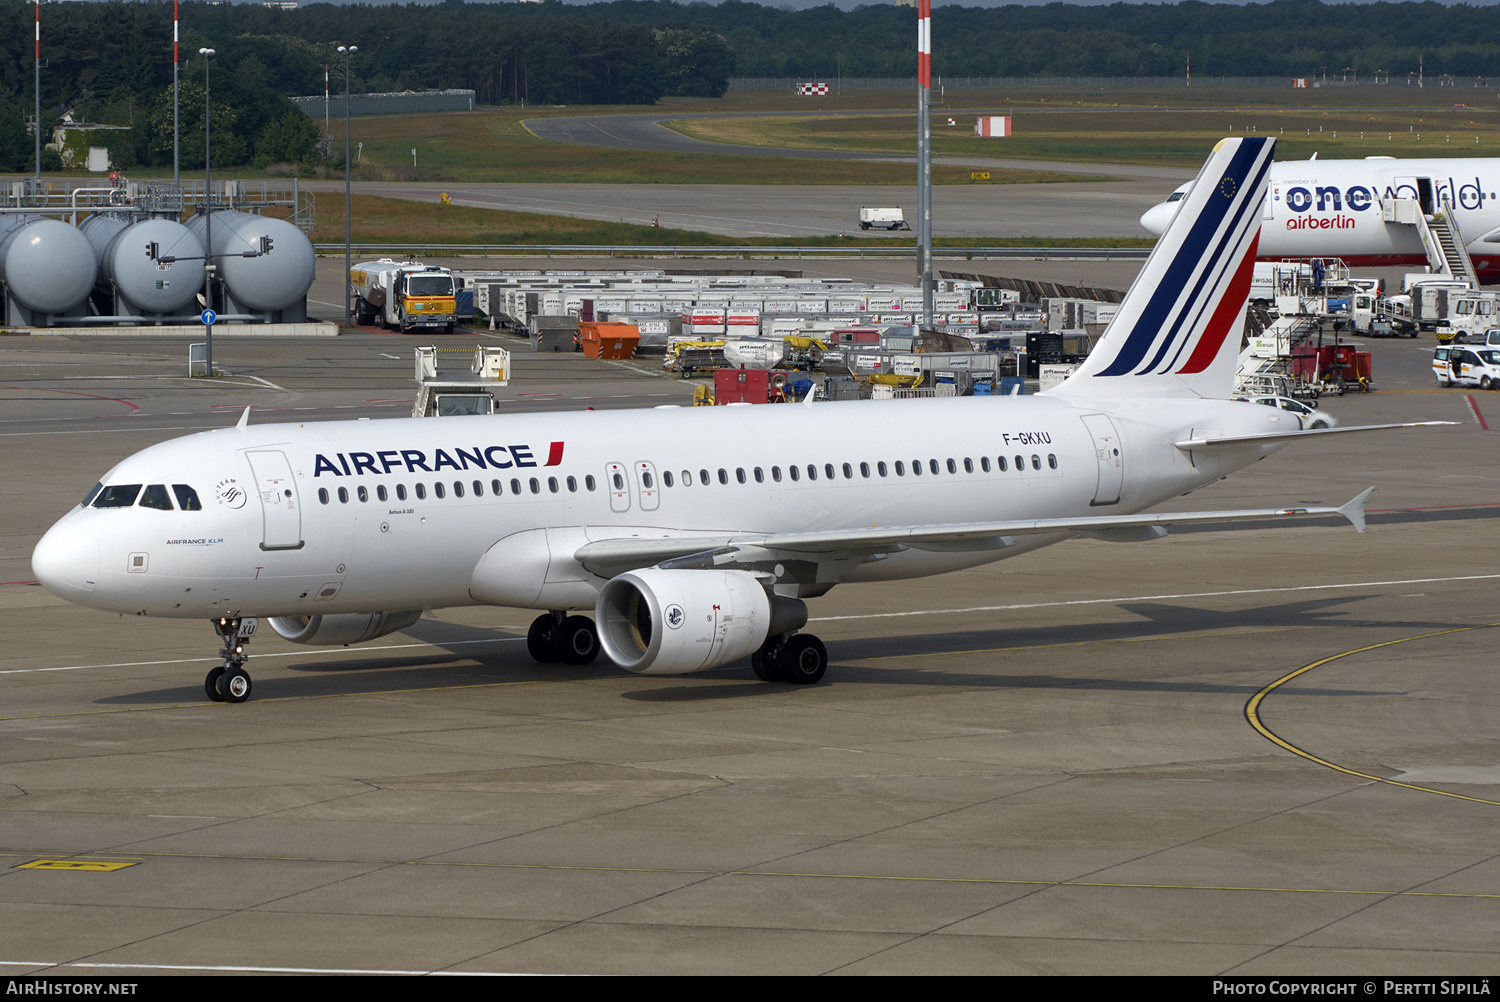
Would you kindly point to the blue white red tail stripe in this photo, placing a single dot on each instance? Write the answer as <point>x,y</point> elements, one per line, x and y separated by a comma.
<point>1172,335</point>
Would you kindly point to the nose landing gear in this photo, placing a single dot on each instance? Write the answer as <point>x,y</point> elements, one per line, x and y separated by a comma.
<point>229,682</point>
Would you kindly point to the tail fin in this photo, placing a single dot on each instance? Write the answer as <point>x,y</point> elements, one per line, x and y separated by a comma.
<point>1179,328</point>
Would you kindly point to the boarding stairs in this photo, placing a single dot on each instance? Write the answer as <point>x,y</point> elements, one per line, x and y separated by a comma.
<point>1445,246</point>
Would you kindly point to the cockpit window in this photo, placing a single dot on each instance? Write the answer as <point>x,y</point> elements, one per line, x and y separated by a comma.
<point>187,498</point>
<point>117,496</point>
<point>93,491</point>
<point>1176,196</point>
<point>155,496</point>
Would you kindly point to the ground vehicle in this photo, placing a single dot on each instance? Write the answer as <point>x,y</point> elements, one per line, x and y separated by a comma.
<point>404,295</point>
<point>886,219</point>
<point>1307,414</point>
<point>1454,365</point>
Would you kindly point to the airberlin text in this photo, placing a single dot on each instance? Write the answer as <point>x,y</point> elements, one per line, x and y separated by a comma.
<point>494,457</point>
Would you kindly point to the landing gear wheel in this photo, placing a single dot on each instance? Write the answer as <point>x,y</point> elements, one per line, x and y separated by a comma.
<point>575,641</point>
<point>539,640</point>
<point>211,684</point>
<point>803,659</point>
<point>766,662</point>
<point>235,685</point>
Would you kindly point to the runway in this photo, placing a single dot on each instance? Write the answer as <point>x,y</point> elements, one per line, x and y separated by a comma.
<point>1110,207</point>
<point>1258,751</point>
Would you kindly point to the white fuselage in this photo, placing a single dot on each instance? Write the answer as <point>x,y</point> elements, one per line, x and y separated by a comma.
<point>1332,208</point>
<point>292,521</point>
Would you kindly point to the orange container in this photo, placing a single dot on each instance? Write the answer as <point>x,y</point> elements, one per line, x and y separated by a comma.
<point>608,340</point>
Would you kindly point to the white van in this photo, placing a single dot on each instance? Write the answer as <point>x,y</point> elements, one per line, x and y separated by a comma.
<point>1460,365</point>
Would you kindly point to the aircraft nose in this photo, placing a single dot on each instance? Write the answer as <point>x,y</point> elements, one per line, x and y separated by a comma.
<point>1157,217</point>
<point>66,562</point>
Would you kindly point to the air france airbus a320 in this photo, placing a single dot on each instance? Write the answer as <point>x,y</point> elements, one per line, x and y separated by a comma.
<point>694,535</point>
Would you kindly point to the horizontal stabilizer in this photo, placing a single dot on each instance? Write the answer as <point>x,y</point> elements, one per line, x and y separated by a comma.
<point>1272,437</point>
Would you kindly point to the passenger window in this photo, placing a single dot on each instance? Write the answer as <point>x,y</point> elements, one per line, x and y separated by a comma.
<point>984,463</point>
<point>515,486</point>
<point>421,492</point>
<point>187,498</point>
<point>118,496</point>
<point>795,473</point>
<point>155,496</point>
<point>588,481</point>
<point>322,495</point>
<point>932,465</point>
<point>343,495</point>
<point>687,478</point>
<point>458,488</point>
<point>828,470</point>
<point>864,470</point>
<point>880,468</point>
<point>619,481</point>
<point>536,486</point>
<point>364,493</point>
<point>400,492</point>
<point>666,477</point>
<point>812,472</point>
<point>646,479</point>
<point>1001,460</point>
<point>723,475</point>
<point>760,475</point>
<point>776,474</point>
<point>1052,460</point>
<point>1036,461</point>
<point>573,484</point>
<point>552,484</point>
<point>739,474</point>
<point>478,490</point>
<point>703,477</point>
<point>1020,464</point>
<point>916,467</point>
<point>900,468</point>
<point>439,491</point>
<point>380,493</point>
<point>495,488</point>
<point>968,465</point>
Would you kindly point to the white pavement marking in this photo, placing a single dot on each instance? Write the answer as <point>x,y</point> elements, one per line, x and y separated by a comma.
<point>273,654</point>
<point>1158,598</point>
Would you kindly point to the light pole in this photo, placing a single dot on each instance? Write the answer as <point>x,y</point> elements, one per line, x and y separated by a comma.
<point>346,51</point>
<point>208,218</point>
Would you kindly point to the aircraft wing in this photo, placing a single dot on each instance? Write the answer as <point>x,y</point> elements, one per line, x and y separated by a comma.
<point>1189,444</point>
<point>608,557</point>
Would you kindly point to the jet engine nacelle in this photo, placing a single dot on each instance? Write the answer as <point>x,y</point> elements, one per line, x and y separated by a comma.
<point>344,628</point>
<point>674,622</point>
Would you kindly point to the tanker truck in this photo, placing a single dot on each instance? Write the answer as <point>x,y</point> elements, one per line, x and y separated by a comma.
<point>404,295</point>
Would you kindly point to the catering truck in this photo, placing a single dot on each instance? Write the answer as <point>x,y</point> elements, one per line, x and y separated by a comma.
<point>404,295</point>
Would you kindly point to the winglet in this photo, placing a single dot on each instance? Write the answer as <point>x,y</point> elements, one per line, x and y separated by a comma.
<point>1354,511</point>
<point>812,395</point>
<point>244,421</point>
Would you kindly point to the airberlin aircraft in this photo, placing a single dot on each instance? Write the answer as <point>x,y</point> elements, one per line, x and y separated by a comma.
<point>696,535</point>
<point>1332,208</point>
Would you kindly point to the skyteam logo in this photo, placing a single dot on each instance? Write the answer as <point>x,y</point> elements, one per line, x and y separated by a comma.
<point>230,494</point>
<point>493,457</point>
<point>674,616</point>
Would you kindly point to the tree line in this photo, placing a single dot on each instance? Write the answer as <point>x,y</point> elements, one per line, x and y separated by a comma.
<point>111,62</point>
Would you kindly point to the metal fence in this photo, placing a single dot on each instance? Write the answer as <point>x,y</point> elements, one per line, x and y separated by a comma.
<point>688,251</point>
<point>405,103</point>
<point>790,83</point>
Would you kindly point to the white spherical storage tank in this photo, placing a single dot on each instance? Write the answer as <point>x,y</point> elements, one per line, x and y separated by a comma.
<point>48,265</point>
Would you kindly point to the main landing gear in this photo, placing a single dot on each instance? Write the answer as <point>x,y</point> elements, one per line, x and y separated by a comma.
<point>799,658</point>
<point>230,683</point>
<point>557,637</point>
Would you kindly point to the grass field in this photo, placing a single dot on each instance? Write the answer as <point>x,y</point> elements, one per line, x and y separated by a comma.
<point>1133,133</point>
<point>493,145</point>
<point>405,222</point>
